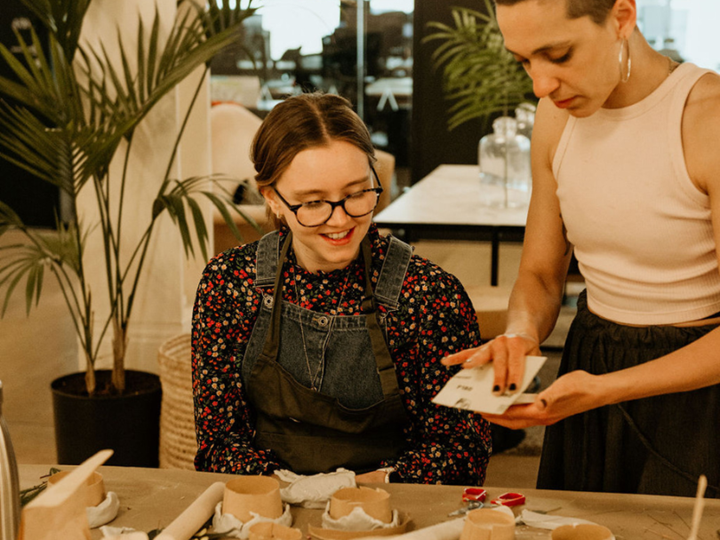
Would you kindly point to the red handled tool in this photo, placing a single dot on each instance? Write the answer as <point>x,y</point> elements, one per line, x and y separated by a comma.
<point>509,499</point>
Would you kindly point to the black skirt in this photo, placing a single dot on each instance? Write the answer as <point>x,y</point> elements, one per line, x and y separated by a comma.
<point>658,445</point>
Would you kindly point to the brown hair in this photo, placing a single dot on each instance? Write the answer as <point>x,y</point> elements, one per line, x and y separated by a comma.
<point>597,10</point>
<point>302,122</point>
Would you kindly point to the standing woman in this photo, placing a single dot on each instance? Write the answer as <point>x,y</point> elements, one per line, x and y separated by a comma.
<point>626,171</point>
<point>319,346</point>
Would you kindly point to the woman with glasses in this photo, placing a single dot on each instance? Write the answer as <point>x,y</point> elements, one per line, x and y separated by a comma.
<point>319,346</point>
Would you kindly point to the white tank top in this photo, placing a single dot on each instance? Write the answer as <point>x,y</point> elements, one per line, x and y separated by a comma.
<point>641,229</point>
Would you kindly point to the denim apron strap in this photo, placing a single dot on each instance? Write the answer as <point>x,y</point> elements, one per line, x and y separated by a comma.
<point>385,366</point>
<point>392,273</point>
<point>268,253</point>
<point>272,344</point>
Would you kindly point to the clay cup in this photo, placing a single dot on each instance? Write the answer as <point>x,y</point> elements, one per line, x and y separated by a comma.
<point>582,531</point>
<point>374,502</point>
<point>488,524</point>
<point>259,494</point>
<point>93,492</point>
<point>272,531</point>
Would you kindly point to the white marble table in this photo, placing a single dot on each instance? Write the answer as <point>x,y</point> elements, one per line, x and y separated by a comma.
<point>447,204</point>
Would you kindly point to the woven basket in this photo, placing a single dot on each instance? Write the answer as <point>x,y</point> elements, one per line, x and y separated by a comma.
<point>177,418</point>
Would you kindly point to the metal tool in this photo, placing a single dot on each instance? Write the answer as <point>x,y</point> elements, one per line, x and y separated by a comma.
<point>474,497</point>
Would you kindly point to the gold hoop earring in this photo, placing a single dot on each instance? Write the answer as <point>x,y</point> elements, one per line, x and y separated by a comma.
<point>624,73</point>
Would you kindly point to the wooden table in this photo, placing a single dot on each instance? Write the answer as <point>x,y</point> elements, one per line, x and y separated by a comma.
<point>152,498</point>
<point>446,204</point>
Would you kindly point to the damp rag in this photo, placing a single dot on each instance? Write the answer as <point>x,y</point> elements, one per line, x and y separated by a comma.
<point>313,491</point>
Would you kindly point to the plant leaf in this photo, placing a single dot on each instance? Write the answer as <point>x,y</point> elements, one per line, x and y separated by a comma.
<point>480,77</point>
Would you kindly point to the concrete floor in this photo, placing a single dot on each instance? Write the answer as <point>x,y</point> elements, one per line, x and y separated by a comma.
<point>41,347</point>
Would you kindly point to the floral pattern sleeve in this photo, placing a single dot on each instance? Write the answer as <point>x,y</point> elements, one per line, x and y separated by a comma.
<point>223,318</point>
<point>445,445</point>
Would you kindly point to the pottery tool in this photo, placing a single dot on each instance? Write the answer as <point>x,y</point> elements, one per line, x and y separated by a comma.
<point>698,507</point>
<point>509,499</point>
<point>59,512</point>
<point>474,497</point>
<point>195,516</point>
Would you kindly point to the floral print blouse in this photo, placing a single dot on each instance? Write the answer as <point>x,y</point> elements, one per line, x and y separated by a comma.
<point>435,318</point>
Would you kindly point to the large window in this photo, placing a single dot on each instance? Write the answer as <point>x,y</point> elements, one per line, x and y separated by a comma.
<point>683,29</point>
<point>360,49</point>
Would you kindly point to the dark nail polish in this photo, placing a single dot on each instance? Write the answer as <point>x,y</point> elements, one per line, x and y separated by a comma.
<point>496,388</point>
<point>512,387</point>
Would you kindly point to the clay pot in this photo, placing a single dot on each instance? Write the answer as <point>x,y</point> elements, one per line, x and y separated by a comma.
<point>488,524</point>
<point>93,492</point>
<point>582,532</point>
<point>374,502</point>
<point>259,494</point>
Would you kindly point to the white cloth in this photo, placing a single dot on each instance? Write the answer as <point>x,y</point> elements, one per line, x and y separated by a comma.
<point>357,520</point>
<point>232,527</point>
<point>546,521</point>
<point>104,512</point>
<point>313,491</point>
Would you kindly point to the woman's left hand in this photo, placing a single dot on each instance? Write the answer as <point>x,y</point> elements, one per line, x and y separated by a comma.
<point>573,393</point>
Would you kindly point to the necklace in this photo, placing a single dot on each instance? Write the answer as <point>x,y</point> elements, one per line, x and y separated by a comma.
<point>315,384</point>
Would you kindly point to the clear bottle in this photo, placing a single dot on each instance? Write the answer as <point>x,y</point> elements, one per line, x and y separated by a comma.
<point>504,161</point>
<point>525,116</point>
<point>9,486</point>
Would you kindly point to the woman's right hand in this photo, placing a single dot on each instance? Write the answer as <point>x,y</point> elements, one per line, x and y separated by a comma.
<point>507,352</point>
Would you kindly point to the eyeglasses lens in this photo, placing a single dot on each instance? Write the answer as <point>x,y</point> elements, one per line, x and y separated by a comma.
<point>357,205</point>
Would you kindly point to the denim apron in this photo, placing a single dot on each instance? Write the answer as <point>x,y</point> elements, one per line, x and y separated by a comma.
<point>344,412</point>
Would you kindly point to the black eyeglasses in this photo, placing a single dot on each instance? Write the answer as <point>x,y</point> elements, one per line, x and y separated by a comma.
<point>316,213</point>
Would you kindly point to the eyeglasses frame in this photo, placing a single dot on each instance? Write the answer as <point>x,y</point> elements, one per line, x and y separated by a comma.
<point>334,204</point>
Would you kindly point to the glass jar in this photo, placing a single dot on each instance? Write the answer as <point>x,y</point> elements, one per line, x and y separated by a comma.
<point>504,162</point>
<point>525,116</point>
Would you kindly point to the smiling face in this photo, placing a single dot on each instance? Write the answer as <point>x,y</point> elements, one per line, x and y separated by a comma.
<point>573,62</point>
<point>328,172</point>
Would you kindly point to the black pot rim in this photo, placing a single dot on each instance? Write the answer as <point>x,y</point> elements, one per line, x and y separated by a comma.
<point>56,386</point>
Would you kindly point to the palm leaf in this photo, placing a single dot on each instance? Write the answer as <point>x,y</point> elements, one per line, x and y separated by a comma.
<point>26,261</point>
<point>480,77</point>
<point>63,18</point>
<point>67,109</point>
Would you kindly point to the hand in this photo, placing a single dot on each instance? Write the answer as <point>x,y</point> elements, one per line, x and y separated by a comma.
<point>573,393</point>
<point>374,477</point>
<point>507,352</point>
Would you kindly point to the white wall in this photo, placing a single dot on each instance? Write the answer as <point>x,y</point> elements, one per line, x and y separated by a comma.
<point>167,288</point>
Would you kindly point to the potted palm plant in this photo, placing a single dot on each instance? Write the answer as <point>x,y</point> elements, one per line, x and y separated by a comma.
<point>65,116</point>
<point>480,76</point>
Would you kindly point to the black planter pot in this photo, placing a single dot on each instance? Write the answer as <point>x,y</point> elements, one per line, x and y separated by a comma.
<point>128,424</point>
